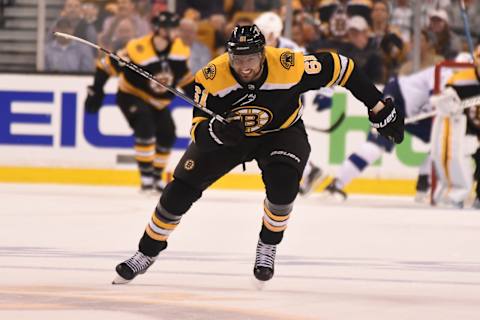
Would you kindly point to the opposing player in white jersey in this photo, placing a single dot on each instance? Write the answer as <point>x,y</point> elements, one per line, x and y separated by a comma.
<point>271,26</point>
<point>411,93</point>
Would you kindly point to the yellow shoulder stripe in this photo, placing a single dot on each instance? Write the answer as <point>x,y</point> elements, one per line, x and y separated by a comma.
<point>350,66</point>
<point>141,51</point>
<point>179,50</point>
<point>216,77</point>
<point>285,68</point>
<point>336,68</point>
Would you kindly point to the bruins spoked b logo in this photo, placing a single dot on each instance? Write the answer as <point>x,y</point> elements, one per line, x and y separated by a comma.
<point>254,118</point>
<point>210,71</point>
<point>287,59</point>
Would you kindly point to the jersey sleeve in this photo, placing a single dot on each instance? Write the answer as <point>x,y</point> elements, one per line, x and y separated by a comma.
<point>329,69</point>
<point>199,131</point>
<point>185,79</point>
<point>110,65</point>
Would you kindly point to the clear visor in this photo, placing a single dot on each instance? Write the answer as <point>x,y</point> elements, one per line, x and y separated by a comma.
<point>247,61</point>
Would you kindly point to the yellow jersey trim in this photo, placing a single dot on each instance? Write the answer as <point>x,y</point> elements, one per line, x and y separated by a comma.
<point>127,87</point>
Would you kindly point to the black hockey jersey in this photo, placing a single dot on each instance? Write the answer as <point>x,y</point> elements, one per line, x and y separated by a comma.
<point>169,65</point>
<point>272,102</point>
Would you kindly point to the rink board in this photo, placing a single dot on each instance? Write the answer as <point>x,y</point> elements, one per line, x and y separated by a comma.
<point>45,136</point>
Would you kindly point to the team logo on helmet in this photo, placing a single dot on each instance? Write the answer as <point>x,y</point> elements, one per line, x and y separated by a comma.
<point>287,59</point>
<point>254,118</point>
<point>210,71</point>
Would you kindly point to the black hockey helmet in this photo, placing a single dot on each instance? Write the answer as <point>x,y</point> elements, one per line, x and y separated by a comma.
<point>246,40</point>
<point>165,19</point>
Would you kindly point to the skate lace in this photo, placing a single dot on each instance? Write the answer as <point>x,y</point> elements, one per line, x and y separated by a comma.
<point>265,255</point>
<point>139,262</point>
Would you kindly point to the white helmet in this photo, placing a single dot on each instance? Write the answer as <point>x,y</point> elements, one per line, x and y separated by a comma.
<point>464,57</point>
<point>270,23</point>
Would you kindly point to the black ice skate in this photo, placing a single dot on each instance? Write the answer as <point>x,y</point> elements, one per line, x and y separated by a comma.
<point>335,191</point>
<point>132,267</point>
<point>312,180</point>
<point>422,189</point>
<point>264,261</point>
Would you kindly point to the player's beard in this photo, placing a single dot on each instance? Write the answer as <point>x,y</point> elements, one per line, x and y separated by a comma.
<point>250,75</point>
<point>246,68</point>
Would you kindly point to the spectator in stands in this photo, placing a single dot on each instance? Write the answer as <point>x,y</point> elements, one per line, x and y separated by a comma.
<point>387,38</point>
<point>218,22</point>
<point>199,53</point>
<point>351,7</point>
<point>297,34</point>
<point>256,5</point>
<point>124,32</point>
<point>159,6</point>
<point>91,15</point>
<point>447,43</point>
<point>64,55</point>
<point>311,32</point>
<point>125,9</point>
<point>428,56</point>
<point>431,5</point>
<point>72,11</point>
<point>365,53</point>
<point>144,9</point>
<point>402,18</point>
<point>205,8</point>
<point>336,36</point>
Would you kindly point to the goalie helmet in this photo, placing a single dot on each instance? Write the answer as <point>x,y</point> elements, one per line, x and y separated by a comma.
<point>246,40</point>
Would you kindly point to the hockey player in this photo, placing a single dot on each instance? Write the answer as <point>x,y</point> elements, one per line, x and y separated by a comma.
<point>271,25</point>
<point>450,148</point>
<point>143,103</point>
<point>411,95</point>
<point>257,89</point>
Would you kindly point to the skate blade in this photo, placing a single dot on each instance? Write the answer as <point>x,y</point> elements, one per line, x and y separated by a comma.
<point>120,280</point>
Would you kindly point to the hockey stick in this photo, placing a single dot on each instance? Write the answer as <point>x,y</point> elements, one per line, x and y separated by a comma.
<point>334,126</point>
<point>466,27</point>
<point>143,73</point>
<point>465,104</point>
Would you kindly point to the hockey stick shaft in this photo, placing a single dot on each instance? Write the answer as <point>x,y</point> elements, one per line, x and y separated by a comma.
<point>334,126</point>
<point>143,73</point>
<point>465,104</point>
<point>466,27</point>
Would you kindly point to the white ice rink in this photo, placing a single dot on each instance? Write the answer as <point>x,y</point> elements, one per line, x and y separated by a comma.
<point>369,258</point>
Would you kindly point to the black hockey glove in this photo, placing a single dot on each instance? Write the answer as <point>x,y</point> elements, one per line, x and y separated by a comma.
<point>388,122</point>
<point>228,134</point>
<point>94,100</point>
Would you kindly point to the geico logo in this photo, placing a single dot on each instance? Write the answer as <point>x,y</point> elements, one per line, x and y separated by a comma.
<point>58,120</point>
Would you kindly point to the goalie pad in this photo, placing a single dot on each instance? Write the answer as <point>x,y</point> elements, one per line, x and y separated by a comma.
<point>451,159</point>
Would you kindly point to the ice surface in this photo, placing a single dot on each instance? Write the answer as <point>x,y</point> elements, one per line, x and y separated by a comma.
<point>368,258</point>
